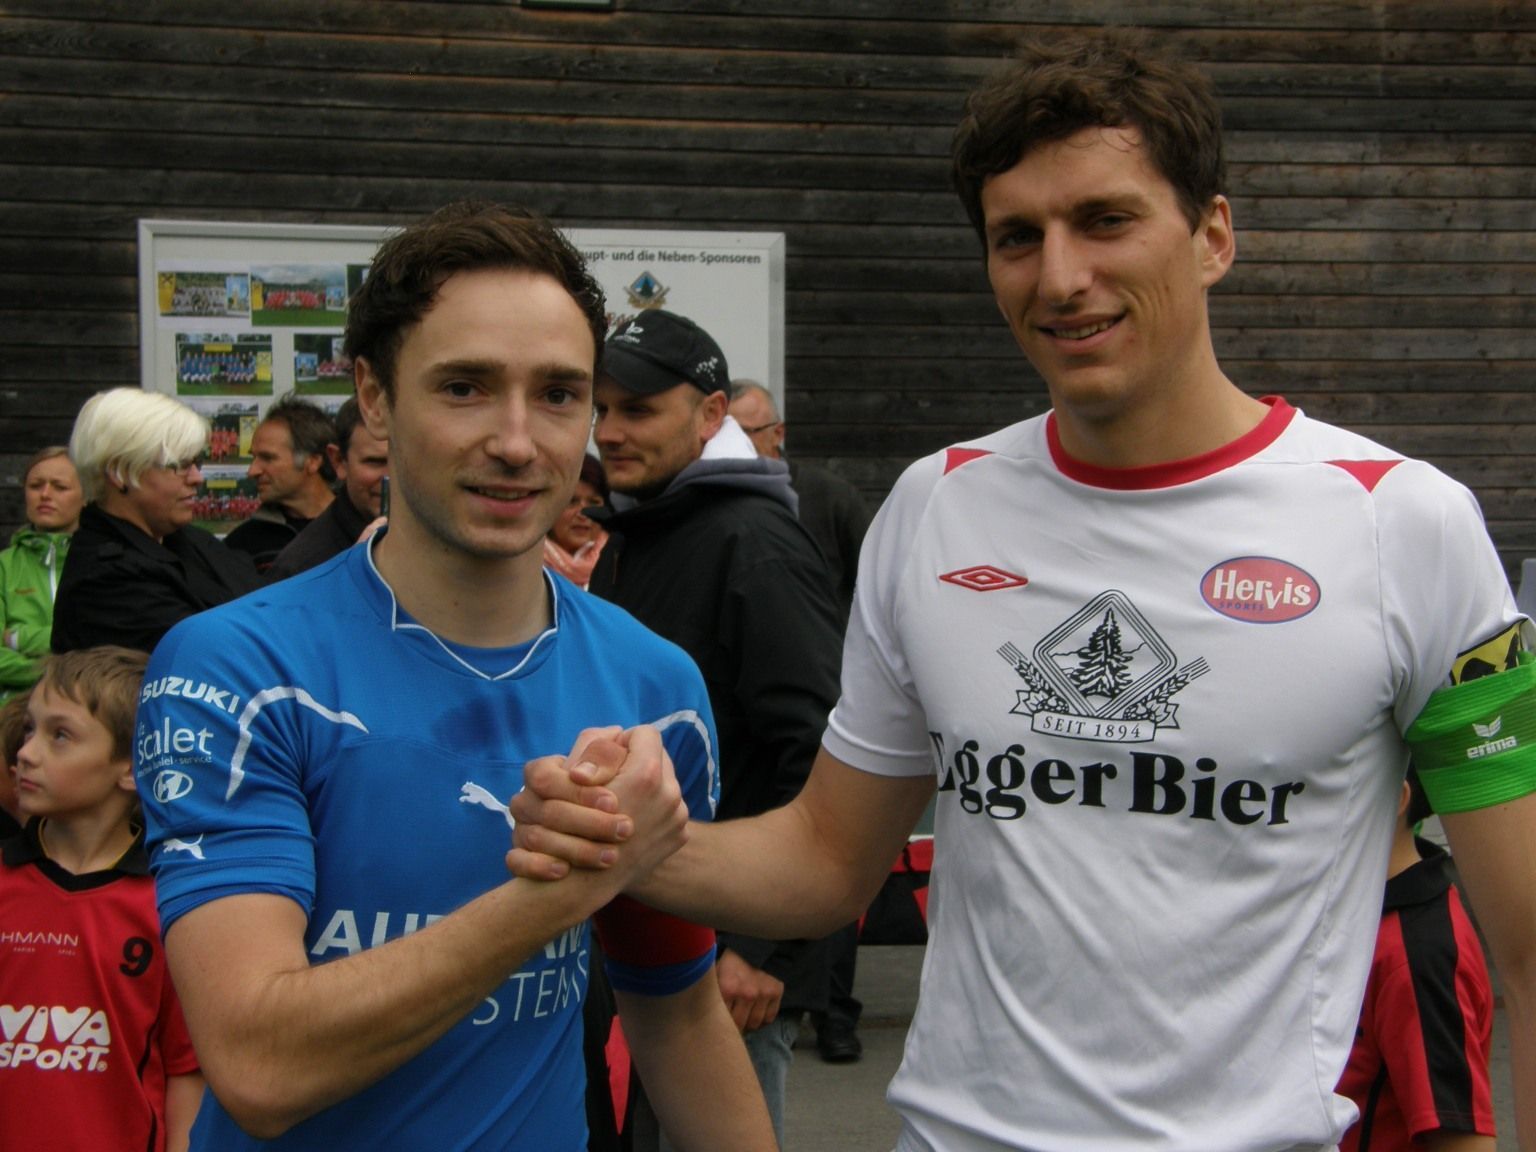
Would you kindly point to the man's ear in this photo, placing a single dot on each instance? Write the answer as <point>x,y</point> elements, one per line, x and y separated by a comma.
<point>1217,241</point>
<point>338,461</point>
<point>711,413</point>
<point>372,403</point>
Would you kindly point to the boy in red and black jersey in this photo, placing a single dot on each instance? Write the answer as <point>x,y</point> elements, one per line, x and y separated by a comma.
<point>93,1049</point>
<point>1418,1071</point>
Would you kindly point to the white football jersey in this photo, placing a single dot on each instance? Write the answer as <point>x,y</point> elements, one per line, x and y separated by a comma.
<point>1164,707</point>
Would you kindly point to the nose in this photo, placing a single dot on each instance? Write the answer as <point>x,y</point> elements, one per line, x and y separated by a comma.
<point>195,475</point>
<point>512,441</point>
<point>1064,268</point>
<point>605,430</point>
<point>24,758</point>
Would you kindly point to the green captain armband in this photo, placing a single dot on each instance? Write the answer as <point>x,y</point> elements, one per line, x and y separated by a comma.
<point>1474,745</point>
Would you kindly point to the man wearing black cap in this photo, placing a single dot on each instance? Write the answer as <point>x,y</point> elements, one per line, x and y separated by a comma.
<point>707,551</point>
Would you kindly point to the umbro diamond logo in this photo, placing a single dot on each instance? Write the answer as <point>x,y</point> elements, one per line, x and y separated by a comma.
<point>984,578</point>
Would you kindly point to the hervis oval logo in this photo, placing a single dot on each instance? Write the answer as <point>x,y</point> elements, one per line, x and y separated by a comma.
<point>1260,590</point>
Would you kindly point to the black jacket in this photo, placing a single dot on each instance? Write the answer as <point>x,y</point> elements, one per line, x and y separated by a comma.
<point>121,586</point>
<point>835,515</point>
<point>328,534</point>
<point>265,535</point>
<point>719,565</point>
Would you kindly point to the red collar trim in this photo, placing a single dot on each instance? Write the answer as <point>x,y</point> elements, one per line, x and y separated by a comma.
<point>1175,472</point>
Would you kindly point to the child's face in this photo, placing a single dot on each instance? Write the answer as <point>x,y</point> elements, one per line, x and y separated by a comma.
<point>66,767</point>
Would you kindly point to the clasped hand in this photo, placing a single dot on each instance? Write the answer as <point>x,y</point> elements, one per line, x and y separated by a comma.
<point>613,802</point>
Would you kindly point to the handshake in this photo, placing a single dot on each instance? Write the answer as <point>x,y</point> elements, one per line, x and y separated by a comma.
<point>613,803</point>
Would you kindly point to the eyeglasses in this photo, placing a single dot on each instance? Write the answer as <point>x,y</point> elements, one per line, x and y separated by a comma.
<point>185,466</point>
<point>762,427</point>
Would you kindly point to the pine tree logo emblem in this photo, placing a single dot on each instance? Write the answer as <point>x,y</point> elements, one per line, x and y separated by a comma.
<point>645,291</point>
<point>1103,674</point>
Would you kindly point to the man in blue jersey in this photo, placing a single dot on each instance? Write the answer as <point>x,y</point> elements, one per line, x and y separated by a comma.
<point>327,763</point>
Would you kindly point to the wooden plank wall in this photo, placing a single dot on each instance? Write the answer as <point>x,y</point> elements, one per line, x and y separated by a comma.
<point>1383,170</point>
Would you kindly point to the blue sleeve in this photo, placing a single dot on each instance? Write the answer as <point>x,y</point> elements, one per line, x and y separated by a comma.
<point>217,773</point>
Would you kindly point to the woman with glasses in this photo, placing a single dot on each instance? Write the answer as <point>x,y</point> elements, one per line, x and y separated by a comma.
<point>137,564</point>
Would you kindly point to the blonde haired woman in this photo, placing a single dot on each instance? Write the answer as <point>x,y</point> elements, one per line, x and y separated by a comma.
<point>137,565</point>
<point>30,568</point>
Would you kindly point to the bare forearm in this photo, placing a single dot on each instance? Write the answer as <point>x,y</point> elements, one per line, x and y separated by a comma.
<point>803,870</point>
<point>1522,1052</point>
<point>687,1051</point>
<point>1458,1142</point>
<point>183,1096</point>
<point>280,1040</point>
<point>731,876</point>
<point>1495,853</point>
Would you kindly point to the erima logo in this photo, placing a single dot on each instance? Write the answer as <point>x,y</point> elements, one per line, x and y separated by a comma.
<point>221,698</point>
<point>1490,746</point>
<point>67,1039</point>
<point>1260,590</point>
<point>171,785</point>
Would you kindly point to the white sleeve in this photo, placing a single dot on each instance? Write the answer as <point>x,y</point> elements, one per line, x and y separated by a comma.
<point>879,724</point>
<point>1444,592</point>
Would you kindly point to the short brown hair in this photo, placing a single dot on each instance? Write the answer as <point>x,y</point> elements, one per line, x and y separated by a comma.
<point>310,429</point>
<point>13,726</point>
<point>105,681</point>
<point>1111,78</point>
<point>411,266</point>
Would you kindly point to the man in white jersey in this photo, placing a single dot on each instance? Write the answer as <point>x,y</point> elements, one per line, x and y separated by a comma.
<point>1162,653</point>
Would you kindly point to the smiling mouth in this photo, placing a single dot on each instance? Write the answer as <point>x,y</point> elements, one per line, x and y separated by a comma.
<point>1083,332</point>
<point>509,495</point>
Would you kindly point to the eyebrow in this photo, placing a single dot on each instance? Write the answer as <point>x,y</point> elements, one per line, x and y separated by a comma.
<point>549,370</point>
<point>54,716</point>
<point>1128,199</point>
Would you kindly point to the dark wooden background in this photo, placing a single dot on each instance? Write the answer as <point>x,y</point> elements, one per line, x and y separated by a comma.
<point>1382,157</point>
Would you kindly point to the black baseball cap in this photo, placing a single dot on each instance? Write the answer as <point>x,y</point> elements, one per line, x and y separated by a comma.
<point>657,350</point>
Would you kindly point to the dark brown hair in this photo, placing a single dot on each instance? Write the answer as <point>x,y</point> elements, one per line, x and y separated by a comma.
<point>310,429</point>
<point>409,268</point>
<point>1109,78</point>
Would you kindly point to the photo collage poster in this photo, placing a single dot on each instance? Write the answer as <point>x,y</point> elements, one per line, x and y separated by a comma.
<point>237,315</point>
